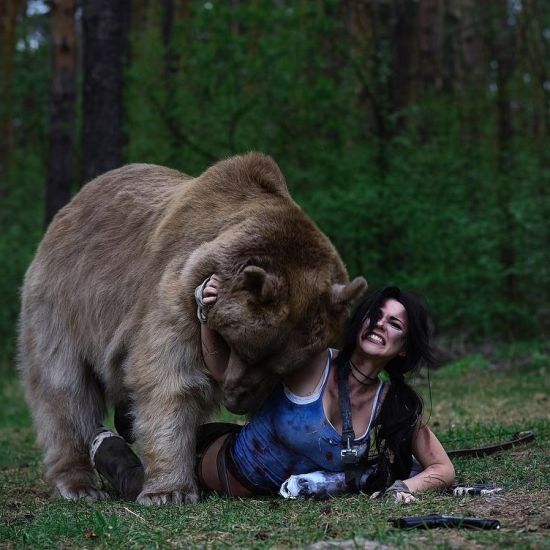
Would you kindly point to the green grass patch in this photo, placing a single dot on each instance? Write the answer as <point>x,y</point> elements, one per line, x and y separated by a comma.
<point>474,401</point>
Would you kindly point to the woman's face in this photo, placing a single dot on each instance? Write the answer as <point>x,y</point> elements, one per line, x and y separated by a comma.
<point>388,337</point>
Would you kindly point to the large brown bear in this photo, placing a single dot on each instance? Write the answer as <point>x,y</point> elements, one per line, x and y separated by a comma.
<point>108,311</point>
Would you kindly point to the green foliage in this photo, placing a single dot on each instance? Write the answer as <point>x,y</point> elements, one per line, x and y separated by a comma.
<point>425,195</point>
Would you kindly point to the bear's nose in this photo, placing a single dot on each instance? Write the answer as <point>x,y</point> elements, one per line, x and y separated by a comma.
<point>235,406</point>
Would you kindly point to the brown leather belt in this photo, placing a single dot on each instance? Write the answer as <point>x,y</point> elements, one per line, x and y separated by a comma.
<point>221,464</point>
<point>227,480</point>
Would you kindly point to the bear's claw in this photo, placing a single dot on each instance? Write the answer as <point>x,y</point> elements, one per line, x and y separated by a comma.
<point>173,497</point>
<point>77,492</point>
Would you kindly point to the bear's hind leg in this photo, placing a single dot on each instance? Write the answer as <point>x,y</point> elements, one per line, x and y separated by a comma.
<point>68,406</point>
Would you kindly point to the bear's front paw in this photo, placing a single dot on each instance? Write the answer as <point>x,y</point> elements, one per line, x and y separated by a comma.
<point>77,491</point>
<point>170,497</point>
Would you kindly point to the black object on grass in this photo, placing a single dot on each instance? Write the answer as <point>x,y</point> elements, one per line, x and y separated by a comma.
<point>436,520</point>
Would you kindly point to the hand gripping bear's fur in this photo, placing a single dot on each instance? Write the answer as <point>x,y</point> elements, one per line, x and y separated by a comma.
<point>108,311</point>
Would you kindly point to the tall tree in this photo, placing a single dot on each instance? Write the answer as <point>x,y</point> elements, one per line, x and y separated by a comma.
<point>9,10</point>
<point>430,31</point>
<point>503,47</point>
<point>61,139</point>
<point>537,51</point>
<point>472,63</point>
<point>105,29</point>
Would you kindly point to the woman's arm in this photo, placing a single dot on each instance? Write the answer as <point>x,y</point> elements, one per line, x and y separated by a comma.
<point>215,350</point>
<point>438,470</point>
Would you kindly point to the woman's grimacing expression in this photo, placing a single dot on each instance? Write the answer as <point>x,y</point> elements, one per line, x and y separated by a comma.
<point>388,337</point>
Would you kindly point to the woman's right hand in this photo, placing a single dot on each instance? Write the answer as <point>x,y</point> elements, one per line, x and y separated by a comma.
<point>210,292</point>
<point>215,350</point>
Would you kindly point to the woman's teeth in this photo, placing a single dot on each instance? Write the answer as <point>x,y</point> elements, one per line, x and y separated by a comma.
<point>375,338</point>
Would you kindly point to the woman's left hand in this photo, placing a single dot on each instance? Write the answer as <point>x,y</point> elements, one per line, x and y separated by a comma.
<point>398,490</point>
<point>405,498</point>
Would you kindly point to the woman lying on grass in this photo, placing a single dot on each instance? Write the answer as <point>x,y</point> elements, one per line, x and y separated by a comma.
<point>300,443</point>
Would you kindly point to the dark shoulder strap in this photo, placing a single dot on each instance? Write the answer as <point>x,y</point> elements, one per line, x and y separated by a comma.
<point>349,453</point>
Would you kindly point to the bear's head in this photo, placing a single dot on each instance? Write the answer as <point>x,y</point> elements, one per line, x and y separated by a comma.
<point>284,297</point>
<point>275,323</point>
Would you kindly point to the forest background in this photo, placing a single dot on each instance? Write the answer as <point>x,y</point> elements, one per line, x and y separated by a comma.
<point>415,133</point>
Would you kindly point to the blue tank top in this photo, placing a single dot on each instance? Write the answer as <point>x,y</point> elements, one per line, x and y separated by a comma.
<point>291,435</point>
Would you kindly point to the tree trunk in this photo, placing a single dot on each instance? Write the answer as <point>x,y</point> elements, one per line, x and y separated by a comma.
<point>504,52</point>
<point>61,139</point>
<point>430,43</point>
<point>537,51</point>
<point>403,33</point>
<point>105,29</point>
<point>167,30</point>
<point>9,10</point>
<point>472,63</point>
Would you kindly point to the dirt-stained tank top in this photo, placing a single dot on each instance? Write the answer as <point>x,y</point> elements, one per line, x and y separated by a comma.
<point>291,435</point>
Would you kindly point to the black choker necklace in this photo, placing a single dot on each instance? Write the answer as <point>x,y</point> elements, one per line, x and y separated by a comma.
<point>368,380</point>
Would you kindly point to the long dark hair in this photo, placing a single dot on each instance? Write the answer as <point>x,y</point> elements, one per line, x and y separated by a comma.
<point>393,430</point>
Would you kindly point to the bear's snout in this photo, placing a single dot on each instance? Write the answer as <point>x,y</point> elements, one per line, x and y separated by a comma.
<point>236,405</point>
<point>242,396</point>
<point>245,387</point>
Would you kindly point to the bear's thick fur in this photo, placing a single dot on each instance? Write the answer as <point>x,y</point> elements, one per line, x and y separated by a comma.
<point>108,311</point>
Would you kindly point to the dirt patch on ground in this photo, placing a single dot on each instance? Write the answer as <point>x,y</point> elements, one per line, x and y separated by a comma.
<point>524,523</point>
<point>527,512</point>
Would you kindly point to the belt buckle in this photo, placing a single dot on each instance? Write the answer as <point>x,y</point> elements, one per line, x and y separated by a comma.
<point>349,455</point>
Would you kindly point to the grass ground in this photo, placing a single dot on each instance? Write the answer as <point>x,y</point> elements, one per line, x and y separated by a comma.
<point>474,400</point>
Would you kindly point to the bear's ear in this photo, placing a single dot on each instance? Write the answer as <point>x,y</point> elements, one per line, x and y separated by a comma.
<point>344,295</point>
<point>259,282</point>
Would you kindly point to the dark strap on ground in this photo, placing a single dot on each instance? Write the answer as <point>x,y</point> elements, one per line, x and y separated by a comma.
<point>519,438</point>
